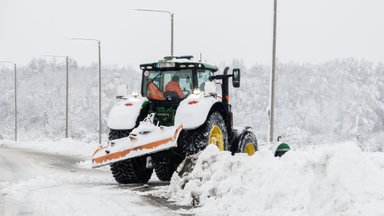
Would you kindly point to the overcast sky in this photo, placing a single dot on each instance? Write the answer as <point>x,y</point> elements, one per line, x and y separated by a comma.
<point>308,30</point>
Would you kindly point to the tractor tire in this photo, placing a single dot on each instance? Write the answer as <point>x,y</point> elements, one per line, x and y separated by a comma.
<point>248,143</point>
<point>212,131</point>
<point>132,170</point>
<point>117,134</point>
<point>164,171</point>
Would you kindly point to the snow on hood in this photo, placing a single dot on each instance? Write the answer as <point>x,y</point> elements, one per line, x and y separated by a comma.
<point>329,180</point>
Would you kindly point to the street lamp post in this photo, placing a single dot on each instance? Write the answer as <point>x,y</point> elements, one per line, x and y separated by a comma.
<point>66,90</point>
<point>15,79</point>
<point>272,96</point>
<point>99,52</point>
<point>172,15</point>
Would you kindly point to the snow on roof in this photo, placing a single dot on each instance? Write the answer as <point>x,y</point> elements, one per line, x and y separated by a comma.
<point>181,61</point>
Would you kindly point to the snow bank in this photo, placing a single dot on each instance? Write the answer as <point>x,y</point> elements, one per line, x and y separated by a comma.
<point>329,180</point>
<point>63,147</point>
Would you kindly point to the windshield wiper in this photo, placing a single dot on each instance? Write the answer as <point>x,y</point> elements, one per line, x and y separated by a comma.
<point>151,81</point>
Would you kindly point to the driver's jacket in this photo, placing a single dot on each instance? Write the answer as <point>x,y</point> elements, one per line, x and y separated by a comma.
<point>154,92</point>
<point>175,87</point>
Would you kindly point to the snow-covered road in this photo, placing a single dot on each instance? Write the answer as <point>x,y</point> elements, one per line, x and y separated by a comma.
<point>35,183</point>
<point>52,178</point>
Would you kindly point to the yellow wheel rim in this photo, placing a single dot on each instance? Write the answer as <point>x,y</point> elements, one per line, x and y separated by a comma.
<point>216,137</point>
<point>250,149</point>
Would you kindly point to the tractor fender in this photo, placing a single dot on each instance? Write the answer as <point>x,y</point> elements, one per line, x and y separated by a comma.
<point>124,114</point>
<point>193,111</point>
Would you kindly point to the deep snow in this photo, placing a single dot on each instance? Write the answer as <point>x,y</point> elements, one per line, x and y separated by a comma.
<point>337,179</point>
<point>332,179</point>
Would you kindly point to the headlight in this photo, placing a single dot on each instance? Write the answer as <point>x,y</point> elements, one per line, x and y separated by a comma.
<point>135,94</point>
<point>196,91</point>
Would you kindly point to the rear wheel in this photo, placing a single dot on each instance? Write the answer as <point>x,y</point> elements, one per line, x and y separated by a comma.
<point>248,143</point>
<point>213,131</point>
<point>132,170</point>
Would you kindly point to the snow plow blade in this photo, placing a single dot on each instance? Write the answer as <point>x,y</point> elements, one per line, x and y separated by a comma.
<point>140,142</point>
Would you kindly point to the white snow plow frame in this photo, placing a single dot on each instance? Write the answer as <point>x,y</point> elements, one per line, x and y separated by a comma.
<point>141,141</point>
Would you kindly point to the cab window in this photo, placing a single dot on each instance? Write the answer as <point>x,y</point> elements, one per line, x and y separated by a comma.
<point>202,77</point>
<point>155,84</point>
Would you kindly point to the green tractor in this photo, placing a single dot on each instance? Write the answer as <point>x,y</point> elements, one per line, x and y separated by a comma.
<point>183,107</point>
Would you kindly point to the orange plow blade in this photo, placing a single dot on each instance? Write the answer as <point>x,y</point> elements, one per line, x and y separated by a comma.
<point>138,143</point>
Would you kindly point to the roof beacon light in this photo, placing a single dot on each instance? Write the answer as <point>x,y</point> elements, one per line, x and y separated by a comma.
<point>170,58</point>
<point>189,57</point>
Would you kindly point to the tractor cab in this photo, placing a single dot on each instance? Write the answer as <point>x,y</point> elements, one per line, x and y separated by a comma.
<point>174,78</point>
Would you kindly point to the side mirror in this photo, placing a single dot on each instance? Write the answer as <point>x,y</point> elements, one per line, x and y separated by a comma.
<point>236,77</point>
<point>121,91</point>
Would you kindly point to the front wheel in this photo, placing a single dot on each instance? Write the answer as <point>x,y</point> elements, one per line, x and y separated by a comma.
<point>164,171</point>
<point>132,170</point>
<point>117,134</point>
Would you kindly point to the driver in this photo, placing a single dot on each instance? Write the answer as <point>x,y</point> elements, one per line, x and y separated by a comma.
<point>173,86</point>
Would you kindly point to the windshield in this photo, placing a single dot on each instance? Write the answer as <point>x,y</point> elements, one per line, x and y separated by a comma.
<point>202,77</point>
<point>167,85</point>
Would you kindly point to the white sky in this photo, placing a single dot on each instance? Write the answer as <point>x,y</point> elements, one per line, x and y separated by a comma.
<point>308,30</point>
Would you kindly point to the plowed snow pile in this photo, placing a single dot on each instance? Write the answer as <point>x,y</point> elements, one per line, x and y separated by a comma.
<point>328,180</point>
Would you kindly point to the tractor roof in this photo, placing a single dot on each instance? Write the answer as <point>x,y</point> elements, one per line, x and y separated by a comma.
<point>177,62</point>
